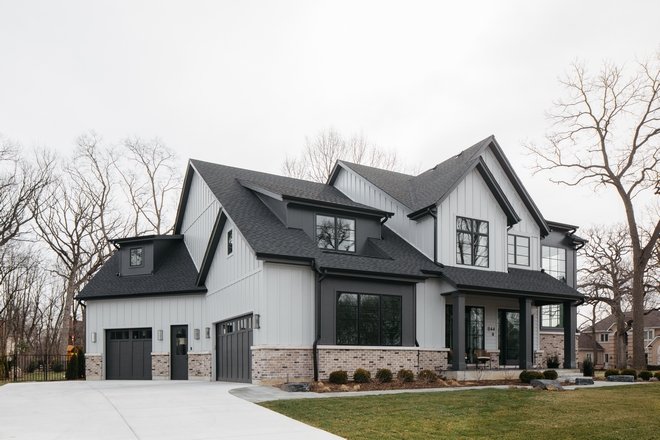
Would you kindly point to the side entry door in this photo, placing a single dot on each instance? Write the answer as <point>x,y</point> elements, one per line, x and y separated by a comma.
<point>179,352</point>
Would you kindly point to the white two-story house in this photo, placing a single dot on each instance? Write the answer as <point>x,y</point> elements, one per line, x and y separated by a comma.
<point>271,279</point>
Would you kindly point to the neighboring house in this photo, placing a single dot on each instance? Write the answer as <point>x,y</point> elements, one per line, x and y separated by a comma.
<point>268,278</point>
<point>589,348</point>
<point>605,331</point>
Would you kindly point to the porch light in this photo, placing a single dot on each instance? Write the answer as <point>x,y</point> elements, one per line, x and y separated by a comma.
<point>207,333</point>
<point>257,321</point>
<point>159,335</point>
<point>197,333</point>
<point>93,336</point>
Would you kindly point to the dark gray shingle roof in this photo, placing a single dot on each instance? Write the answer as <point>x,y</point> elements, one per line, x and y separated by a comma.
<point>651,320</point>
<point>176,274</point>
<point>586,342</point>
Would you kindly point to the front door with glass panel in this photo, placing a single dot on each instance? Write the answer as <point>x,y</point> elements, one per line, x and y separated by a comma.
<point>179,336</point>
<point>509,321</point>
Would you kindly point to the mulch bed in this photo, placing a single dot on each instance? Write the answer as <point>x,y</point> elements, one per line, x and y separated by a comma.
<point>327,387</point>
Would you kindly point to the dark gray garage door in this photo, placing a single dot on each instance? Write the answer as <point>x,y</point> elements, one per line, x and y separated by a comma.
<point>128,354</point>
<point>234,357</point>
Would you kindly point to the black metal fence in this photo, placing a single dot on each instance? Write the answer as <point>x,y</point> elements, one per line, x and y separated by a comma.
<point>33,367</point>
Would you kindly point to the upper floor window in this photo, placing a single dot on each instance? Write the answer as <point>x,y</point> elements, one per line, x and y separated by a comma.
<point>518,250</point>
<point>648,335</point>
<point>368,319</point>
<point>136,257</point>
<point>551,316</point>
<point>604,337</point>
<point>335,233</point>
<point>471,242</point>
<point>553,261</point>
<point>230,242</point>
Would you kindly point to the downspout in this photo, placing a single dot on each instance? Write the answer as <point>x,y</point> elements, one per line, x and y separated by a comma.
<point>317,303</point>
<point>435,233</point>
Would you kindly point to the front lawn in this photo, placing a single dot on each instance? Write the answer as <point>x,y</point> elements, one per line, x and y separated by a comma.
<point>622,412</point>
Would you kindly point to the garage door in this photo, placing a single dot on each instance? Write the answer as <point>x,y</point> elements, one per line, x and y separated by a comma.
<point>233,354</point>
<point>128,354</point>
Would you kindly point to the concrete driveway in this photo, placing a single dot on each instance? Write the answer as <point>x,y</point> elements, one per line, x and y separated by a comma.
<point>140,410</point>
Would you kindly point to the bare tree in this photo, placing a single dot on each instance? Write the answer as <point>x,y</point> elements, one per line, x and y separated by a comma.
<point>322,151</point>
<point>607,132</point>
<point>78,221</point>
<point>151,183</point>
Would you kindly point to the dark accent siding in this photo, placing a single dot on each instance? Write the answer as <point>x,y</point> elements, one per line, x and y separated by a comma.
<point>332,285</point>
<point>560,240</point>
<point>147,259</point>
<point>277,207</point>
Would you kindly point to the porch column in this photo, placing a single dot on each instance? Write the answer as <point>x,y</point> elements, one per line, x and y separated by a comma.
<point>458,331</point>
<point>526,333</point>
<point>570,325</point>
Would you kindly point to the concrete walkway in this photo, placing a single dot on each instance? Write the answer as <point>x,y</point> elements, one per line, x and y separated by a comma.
<point>264,394</point>
<point>140,410</point>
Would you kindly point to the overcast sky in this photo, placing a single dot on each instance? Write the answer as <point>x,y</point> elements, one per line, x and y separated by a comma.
<point>242,83</point>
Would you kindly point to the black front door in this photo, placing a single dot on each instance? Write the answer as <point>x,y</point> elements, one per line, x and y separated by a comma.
<point>509,337</point>
<point>179,336</point>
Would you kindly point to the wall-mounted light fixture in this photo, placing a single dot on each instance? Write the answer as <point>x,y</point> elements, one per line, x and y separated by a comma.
<point>257,321</point>
<point>197,333</point>
<point>93,336</point>
<point>159,334</point>
<point>207,333</point>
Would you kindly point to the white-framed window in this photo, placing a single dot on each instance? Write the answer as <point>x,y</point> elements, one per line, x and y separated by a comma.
<point>230,242</point>
<point>553,261</point>
<point>604,337</point>
<point>648,335</point>
<point>136,257</point>
<point>588,356</point>
<point>518,250</point>
<point>471,242</point>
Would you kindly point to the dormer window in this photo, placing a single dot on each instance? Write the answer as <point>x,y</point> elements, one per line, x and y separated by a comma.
<point>136,257</point>
<point>230,242</point>
<point>471,242</point>
<point>335,233</point>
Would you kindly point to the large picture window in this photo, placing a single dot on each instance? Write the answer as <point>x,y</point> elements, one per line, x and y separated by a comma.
<point>553,261</point>
<point>518,250</point>
<point>552,316</point>
<point>335,233</point>
<point>365,319</point>
<point>471,242</point>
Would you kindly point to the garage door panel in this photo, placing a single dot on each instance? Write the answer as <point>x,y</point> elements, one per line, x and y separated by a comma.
<point>233,355</point>
<point>128,354</point>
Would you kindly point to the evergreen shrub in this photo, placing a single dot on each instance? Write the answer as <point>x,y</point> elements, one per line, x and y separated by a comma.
<point>629,372</point>
<point>612,372</point>
<point>361,375</point>
<point>339,377</point>
<point>527,376</point>
<point>550,374</point>
<point>427,376</point>
<point>72,368</point>
<point>646,375</point>
<point>553,361</point>
<point>405,376</point>
<point>588,367</point>
<point>384,375</point>
<point>657,375</point>
<point>81,363</point>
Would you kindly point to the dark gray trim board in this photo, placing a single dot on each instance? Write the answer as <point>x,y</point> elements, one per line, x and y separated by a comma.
<point>183,200</point>
<point>212,247</point>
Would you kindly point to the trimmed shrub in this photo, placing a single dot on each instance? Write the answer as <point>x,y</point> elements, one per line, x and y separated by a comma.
<point>32,366</point>
<point>527,376</point>
<point>612,372</point>
<point>657,375</point>
<point>384,375</point>
<point>653,367</point>
<point>72,368</point>
<point>550,374</point>
<point>339,377</point>
<point>629,372</point>
<point>58,367</point>
<point>405,376</point>
<point>427,376</point>
<point>81,363</point>
<point>361,375</point>
<point>588,368</point>
<point>646,375</point>
<point>553,361</point>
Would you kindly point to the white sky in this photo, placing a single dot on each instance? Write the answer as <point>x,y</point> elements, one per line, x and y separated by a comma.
<point>242,83</point>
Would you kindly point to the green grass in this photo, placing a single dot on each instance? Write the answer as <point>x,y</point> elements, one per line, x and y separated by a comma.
<point>624,412</point>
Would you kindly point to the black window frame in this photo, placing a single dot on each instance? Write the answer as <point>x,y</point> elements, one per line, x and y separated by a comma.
<point>515,254</point>
<point>130,257</point>
<point>359,320</point>
<point>559,315</point>
<point>230,242</point>
<point>547,267</point>
<point>335,244</point>
<point>474,234</point>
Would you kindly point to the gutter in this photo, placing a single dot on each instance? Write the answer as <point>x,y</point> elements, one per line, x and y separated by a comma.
<point>435,233</point>
<point>317,304</point>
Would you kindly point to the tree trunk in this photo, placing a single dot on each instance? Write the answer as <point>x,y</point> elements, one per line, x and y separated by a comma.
<point>620,341</point>
<point>639,360</point>
<point>65,331</point>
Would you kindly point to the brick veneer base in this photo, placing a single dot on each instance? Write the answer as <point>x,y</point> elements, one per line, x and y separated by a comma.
<point>199,366</point>
<point>93,366</point>
<point>372,359</point>
<point>279,365</point>
<point>160,366</point>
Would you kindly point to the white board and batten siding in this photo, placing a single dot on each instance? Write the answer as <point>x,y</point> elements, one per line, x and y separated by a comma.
<point>201,211</point>
<point>158,313</point>
<point>430,313</point>
<point>418,233</point>
<point>526,227</point>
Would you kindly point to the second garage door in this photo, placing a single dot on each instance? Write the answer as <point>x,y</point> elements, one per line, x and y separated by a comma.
<point>128,354</point>
<point>234,357</point>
